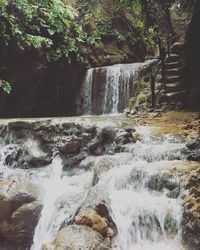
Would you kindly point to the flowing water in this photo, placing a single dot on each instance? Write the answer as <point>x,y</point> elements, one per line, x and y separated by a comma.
<point>106,90</point>
<point>145,195</point>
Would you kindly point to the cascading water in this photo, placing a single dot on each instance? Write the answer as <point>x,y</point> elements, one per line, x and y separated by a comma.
<point>87,86</point>
<point>63,196</point>
<point>111,100</point>
<point>106,90</point>
<point>145,209</point>
<point>145,194</point>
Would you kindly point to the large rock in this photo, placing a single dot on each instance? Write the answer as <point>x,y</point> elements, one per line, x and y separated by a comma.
<point>70,145</point>
<point>20,210</point>
<point>96,222</point>
<point>79,237</point>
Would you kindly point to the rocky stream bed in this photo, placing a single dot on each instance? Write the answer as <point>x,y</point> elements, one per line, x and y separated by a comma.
<point>97,183</point>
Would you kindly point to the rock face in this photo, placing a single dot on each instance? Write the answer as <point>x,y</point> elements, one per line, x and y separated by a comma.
<point>20,210</point>
<point>191,222</point>
<point>40,89</point>
<point>192,55</point>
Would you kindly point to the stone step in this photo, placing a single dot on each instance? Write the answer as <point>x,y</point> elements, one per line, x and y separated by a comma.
<point>173,79</point>
<point>173,87</point>
<point>172,65</point>
<point>177,47</point>
<point>173,72</point>
<point>173,96</point>
<point>172,58</point>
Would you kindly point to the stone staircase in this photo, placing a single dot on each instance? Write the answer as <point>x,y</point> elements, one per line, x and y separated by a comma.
<point>174,91</point>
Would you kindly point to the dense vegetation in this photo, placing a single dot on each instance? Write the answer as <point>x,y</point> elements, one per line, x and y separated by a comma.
<point>65,29</point>
<point>49,25</point>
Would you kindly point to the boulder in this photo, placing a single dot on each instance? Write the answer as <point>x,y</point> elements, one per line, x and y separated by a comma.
<point>79,237</point>
<point>96,222</point>
<point>137,136</point>
<point>20,210</point>
<point>70,145</point>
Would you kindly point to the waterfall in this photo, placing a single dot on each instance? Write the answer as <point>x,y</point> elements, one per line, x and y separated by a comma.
<point>106,90</point>
<point>87,85</point>
<point>111,100</point>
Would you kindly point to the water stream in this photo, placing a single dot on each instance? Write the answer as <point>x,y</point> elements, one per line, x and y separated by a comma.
<point>145,195</point>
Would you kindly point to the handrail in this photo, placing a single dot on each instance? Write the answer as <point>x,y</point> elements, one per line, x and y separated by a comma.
<point>162,56</point>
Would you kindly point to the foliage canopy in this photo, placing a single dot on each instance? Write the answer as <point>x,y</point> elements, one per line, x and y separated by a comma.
<point>51,25</point>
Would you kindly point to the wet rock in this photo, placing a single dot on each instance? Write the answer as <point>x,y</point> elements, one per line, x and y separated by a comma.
<point>97,204</point>
<point>75,160</point>
<point>195,144</point>
<point>194,155</point>
<point>18,125</point>
<point>101,166</point>
<point>96,222</point>
<point>73,141</point>
<point>70,145</point>
<point>10,246</point>
<point>165,181</point>
<point>34,162</point>
<point>11,155</point>
<point>20,227</point>
<point>95,146</point>
<point>20,210</point>
<point>80,237</point>
<point>191,215</point>
<point>122,137</point>
<point>192,150</point>
<point>170,225</point>
<point>137,136</point>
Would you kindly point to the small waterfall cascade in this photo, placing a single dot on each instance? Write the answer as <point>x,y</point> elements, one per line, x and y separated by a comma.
<point>63,196</point>
<point>144,192</point>
<point>112,90</point>
<point>106,90</point>
<point>87,86</point>
<point>145,196</point>
<point>45,230</point>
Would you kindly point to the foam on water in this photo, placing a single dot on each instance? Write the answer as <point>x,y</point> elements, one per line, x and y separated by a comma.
<point>146,218</point>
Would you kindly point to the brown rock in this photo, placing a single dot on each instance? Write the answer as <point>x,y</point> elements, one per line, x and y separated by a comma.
<point>70,145</point>
<point>96,222</point>
<point>137,136</point>
<point>20,211</point>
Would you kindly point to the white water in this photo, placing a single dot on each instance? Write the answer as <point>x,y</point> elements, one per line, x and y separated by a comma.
<point>139,211</point>
<point>116,81</point>
<point>87,85</point>
<point>63,196</point>
<point>112,89</point>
